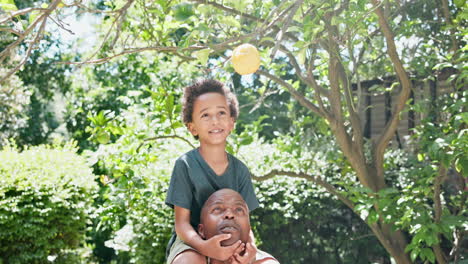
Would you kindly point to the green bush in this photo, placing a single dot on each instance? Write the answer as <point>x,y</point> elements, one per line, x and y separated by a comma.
<point>45,198</point>
<point>133,208</point>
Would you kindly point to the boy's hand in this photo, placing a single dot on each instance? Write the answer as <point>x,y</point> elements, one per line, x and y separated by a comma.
<point>214,249</point>
<point>248,256</point>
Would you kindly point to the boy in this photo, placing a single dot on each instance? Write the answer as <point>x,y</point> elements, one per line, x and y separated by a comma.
<point>209,111</point>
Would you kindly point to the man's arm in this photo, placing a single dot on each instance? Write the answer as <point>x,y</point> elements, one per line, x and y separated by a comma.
<point>212,247</point>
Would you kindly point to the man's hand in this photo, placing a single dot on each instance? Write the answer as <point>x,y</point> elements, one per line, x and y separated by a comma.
<point>214,250</point>
<point>246,258</point>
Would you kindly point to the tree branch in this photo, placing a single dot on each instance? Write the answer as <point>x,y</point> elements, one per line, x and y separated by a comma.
<point>52,7</point>
<point>318,89</point>
<point>249,17</point>
<point>298,96</point>
<point>448,20</point>
<point>36,39</point>
<point>406,86</point>
<point>136,50</point>
<point>20,13</point>
<point>284,28</point>
<point>119,19</point>
<point>440,256</point>
<point>318,180</point>
<point>297,67</point>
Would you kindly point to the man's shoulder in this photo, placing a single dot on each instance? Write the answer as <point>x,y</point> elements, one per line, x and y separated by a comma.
<point>266,261</point>
<point>264,258</point>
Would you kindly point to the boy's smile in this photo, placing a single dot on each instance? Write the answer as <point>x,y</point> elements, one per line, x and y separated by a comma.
<point>211,119</point>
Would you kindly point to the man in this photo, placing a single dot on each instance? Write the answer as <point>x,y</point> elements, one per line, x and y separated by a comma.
<point>225,212</point>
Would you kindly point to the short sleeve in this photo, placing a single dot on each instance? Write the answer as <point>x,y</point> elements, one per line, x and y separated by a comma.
<point>180,187</point>
<point>246,189</point>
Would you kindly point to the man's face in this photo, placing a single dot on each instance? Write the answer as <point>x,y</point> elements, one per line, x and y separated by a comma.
<point>225,212</point>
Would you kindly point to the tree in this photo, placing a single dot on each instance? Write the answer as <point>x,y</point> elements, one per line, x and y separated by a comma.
<point>329,44</point>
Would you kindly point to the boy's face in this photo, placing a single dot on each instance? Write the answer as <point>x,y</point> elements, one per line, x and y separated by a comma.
<point>211,119</point>
<point>225,212</point>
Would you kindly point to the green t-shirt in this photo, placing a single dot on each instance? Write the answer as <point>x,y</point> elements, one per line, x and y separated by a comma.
<point>193,181</point>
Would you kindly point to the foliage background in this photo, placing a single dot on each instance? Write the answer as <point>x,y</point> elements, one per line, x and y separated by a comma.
<point>124,117</point>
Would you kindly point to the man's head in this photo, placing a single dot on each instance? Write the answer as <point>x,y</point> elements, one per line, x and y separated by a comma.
<point>193,92</point>
<point>225,212</point>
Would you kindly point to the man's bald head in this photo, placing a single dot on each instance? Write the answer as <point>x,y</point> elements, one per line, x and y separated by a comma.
<point>225,212</point>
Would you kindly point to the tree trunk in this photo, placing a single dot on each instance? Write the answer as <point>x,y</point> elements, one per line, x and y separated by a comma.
<point>393,241</point>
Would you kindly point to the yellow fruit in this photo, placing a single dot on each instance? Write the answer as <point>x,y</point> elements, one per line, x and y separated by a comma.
<point>245,59</point>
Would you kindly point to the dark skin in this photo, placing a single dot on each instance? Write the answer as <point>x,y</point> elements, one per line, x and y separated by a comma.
<point>226,212</point>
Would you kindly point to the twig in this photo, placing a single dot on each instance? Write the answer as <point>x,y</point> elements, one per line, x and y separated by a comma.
<point>17,33</point>
<point>131,51</point>
<point>318,89</point>
<point>145,141</point>
<point>28,52</point>
<point>43,17</point>
<point>121,20</point>
<point>59,24</point>
<point>262,98</point>
<point>284,28</point>
<point>250,17</point>
<point>21,12</point>
<point>121,13</point>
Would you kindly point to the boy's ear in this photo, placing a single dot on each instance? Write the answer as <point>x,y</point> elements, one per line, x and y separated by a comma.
<point>201,229</point>
<point>233,123</point>
<point>192,129</point>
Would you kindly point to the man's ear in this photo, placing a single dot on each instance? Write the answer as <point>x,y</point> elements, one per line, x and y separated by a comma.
<point>201,231</point>
<point>192,129</point>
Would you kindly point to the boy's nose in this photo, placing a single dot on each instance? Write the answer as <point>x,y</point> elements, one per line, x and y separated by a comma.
<point>215,120</point>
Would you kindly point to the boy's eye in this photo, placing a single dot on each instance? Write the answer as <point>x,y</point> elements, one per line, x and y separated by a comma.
<point>204,115</point>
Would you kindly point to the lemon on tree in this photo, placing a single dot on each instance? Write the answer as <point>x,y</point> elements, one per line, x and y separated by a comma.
<point>245,59</point>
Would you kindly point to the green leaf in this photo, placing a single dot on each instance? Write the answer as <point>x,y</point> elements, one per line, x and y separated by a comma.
<point>33,16</point>
<point>246,140</point>
<point>301,56</point>
<point>103,137</point>
<point>202,55</point>
<point>464,117</point>
<point>230,21</point>
<point>183,12</point>
<point>373,217</point>
<point>414,254</point>
<point>461,165</point>
<point>8,5</point>
<point>426,253</point>
<point>388,191</point>
<point>420,157</point>
<point>459,3</point>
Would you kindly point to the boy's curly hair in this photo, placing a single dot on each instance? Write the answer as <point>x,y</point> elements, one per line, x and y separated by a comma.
<point>192,92</point>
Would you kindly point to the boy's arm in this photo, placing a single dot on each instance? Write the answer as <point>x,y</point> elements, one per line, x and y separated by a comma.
<point>212,247</point>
